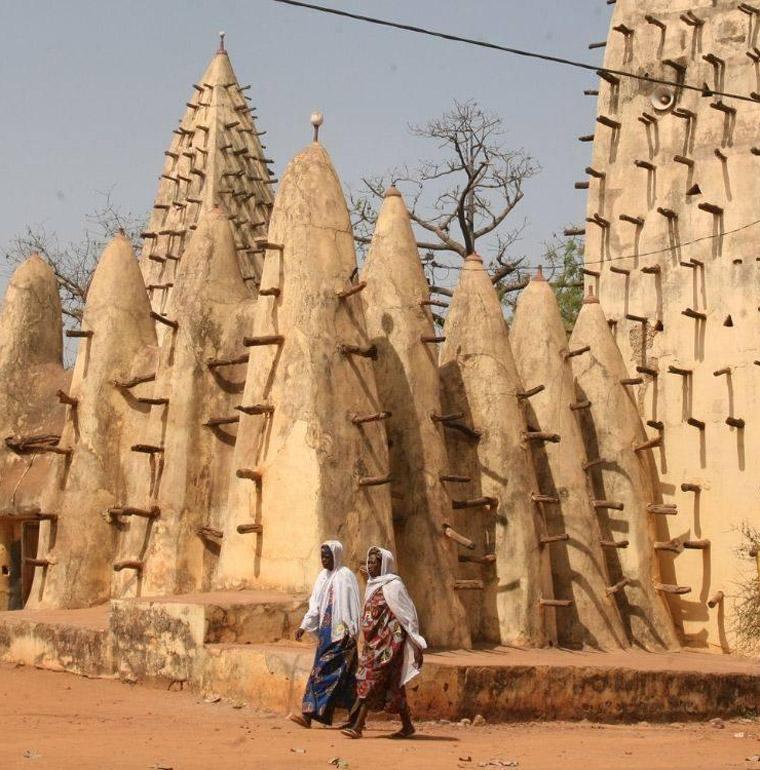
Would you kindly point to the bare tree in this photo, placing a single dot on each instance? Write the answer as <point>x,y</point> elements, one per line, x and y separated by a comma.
<point>459,203</point>
<point>74,263</point>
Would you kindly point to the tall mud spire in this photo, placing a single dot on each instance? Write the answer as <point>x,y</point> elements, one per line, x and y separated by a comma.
<point>183,458</point>
<point>578,563</point>
<point>395,297</point>
<point>77,544</point>
<point>31,417</point>
<point>491,478</point>
<point>612,430</point>
<point>215,157</point>
<point>304,469</point>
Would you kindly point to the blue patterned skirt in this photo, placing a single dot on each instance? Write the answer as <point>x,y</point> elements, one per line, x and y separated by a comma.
<point>332,683</point>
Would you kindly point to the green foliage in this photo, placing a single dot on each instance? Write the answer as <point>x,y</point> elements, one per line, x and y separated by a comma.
<point>746,608</point>
<point>565,259</point>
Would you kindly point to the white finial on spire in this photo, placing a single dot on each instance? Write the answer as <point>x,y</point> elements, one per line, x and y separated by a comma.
<point>221,42</point>
<point>317,119</point>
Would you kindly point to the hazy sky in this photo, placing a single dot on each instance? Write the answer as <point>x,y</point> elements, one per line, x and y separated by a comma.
<point>92,90</point>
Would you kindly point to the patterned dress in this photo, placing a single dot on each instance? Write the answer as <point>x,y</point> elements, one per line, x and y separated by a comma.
<point>331,684</point>
<point>378,678</point>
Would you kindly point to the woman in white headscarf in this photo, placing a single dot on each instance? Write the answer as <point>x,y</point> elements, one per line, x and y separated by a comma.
<point>333,616</point>
<point>392,652</point>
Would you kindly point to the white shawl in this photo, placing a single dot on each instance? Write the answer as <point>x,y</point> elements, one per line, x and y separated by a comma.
<point>346,607</point>
<point>401,605</point>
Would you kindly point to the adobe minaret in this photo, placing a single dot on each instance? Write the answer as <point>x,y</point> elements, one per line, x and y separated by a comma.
<point>579,568</point>
<point>304,469</point>
<point>183,457</point>
<point>215,157</point>
<point>672,226</point>
<point>31,417</point>
<point>396,303</point>
<point>496,500</point>
<point>76,548</point>
<point>635,533</point>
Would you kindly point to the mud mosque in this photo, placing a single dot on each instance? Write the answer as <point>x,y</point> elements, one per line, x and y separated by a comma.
<point>243,391</point>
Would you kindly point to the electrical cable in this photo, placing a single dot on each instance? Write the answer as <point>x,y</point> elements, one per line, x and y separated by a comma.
<point>704,90</point>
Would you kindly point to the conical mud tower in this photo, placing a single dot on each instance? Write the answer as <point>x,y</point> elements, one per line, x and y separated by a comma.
<point>578,563</point>
<point>613,432</point>
<point>184,456</point>
<point>490,477</point>
<point>215,157</point>
<point>305,469</point>
<point>77,546</point>
<point>396,305</point>
<point>31,416</point>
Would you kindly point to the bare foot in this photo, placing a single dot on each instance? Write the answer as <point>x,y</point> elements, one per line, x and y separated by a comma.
<point>300,720</point>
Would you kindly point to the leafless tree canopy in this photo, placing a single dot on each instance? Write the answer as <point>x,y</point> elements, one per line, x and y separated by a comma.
<point>74,263</point>
<point>460,202</point>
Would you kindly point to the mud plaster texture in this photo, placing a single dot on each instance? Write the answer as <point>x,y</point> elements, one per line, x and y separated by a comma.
<point>692,247</point>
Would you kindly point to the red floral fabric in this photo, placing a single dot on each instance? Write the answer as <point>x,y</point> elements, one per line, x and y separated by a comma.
<point>380,662</point>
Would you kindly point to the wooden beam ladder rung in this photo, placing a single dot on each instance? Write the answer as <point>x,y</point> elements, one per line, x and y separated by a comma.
<point>614,543</point>
<point>264,339</point>
<point>619,586</point>
<point>374,481</point>
<point>147,448</point>
<point>216,421</point>
<point>214,363</point>
<point>164,320</point>
<point>539,498</point>
<point>355,289</point>
<point>555,602</point>
<point>255,408</point>
<point>360,419</point>
<point>665,509</point>
<point>65,398</point>
<point>465,558</point>
<point>128,510</point>
<point>452,534</point>
<point>715,599</point>
<point>356,350</point>
<point>254,474</point>
<point>541,435</point>
<point>210,532</point>
<point>248,529</point>
<point>523,394</point>
<point>468,585</point>
<point>547,539</point>
<point>454,479</point>
<point>608,504</point>
<point>475,502</point>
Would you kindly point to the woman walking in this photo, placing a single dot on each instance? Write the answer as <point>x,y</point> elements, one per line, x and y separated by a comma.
<point>333,615</point>
<point>392,652</point>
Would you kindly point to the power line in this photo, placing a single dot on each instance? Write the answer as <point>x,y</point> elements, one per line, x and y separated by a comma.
<point>704,90</point>
<point>556,60</point>
<point>674,247</point>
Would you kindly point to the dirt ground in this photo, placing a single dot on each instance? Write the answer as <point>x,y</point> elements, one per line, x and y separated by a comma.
<point>57,721</point>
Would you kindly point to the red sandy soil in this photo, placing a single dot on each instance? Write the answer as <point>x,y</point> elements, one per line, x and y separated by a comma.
<point>52,721</point>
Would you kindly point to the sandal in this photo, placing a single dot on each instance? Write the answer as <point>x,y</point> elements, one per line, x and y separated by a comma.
<point>400,734</point>
<point>351,733</point>
<point>300,720</point>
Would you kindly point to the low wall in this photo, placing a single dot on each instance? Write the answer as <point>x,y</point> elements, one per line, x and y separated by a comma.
<point>159,641</point>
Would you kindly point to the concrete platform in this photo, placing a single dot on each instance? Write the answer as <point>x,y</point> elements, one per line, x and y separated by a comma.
<point>239,645</point>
